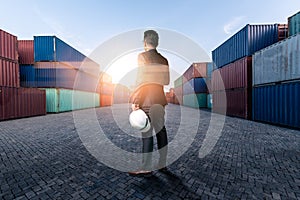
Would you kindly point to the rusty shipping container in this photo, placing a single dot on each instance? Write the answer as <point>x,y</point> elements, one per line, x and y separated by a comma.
<point>21,102</point>
<point>196,70</point>
<point>236,102</point>
<point>234,75</point>
<point>8,46</point>
<point>9,73</point>
<point>26,52</point>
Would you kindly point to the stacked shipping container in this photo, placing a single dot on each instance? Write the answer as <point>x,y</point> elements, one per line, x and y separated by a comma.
<point>194,86</point>
<point>105,89</point>
<point>294,24</point>
<point>48,62</point>
<point>121,94</point>
<point>276,83</point>
<point>16,102</point>
<point>178,91</point>
<point>232,60</point>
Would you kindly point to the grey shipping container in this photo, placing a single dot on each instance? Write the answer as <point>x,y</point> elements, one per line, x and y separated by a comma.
<point>277,63</point>
<point>294,24</point>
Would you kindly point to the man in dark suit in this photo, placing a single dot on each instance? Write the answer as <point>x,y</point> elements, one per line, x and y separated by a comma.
<point>153,73</point>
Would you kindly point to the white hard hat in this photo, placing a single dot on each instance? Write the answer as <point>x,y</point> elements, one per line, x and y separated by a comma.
<point>139,120</point>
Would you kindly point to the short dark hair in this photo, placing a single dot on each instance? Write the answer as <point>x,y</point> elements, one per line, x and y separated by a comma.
<point>151,37</point>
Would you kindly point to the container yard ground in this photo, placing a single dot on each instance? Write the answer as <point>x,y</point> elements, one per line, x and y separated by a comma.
<point>43,158</point>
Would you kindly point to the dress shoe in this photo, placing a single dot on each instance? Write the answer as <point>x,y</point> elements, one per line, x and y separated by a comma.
<point>140,173</point>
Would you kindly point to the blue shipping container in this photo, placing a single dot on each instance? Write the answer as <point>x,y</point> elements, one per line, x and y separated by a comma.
<point>27,76</point>
<point>51,48</point>
<point>277,104</point>
<point>247,41</point>
<point>196,85</point>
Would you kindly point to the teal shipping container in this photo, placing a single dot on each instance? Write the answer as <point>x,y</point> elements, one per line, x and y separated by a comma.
<point>63,100</point>
<point>195,100</point>
<point>294,24</point>
<point>209,101</point>
<point>178,82</point>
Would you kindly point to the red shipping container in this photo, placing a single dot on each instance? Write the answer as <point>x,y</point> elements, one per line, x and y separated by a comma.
<point>236,102</point>
<point>26,52</point>
<point>283,31</point>
<point>234,75</point>
<point>21,102</point>
<point>196,70</point>
<point>105,88</point>
<point>9,73</point>
<point>106,100</point>
<point>8,46</point>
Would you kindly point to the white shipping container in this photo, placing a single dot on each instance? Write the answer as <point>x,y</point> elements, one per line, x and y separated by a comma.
<point>278,62</point>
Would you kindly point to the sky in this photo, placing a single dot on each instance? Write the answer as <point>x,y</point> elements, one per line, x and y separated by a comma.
<point>86,25</point>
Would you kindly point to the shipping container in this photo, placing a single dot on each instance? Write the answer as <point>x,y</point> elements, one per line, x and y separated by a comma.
<point>195,100</point>
<point>196,70</point>
<point>9,73</point>
<point>105,77</point>
<point>277,63</point>
<point>106,100</point>
<point>245,42</point>
<point>51,48</point>
<point>27,76</point>
<point>121,94</point>
<point>294,24</point>
<point>209,101</point>
<point>171,92</point>
<point>178,92</point>
<point>236,102</point>
<point>21,102</point>
<point>63,100</point>
<point>8,46</point>
<point>25,51</point>
<point>61,75</point>
<point>170,99</point>
<point>209,85</point>
<point>210,69</point>
<point>178,82</point>
<point>196,85</point>
<point>234,75</point>
<point>105,88</point>
<point>277,104</point>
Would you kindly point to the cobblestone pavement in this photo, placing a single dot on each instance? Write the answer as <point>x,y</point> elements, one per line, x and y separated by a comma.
<point>44,158</point>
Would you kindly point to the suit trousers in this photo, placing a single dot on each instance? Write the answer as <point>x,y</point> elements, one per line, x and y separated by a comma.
<point>156,114</point>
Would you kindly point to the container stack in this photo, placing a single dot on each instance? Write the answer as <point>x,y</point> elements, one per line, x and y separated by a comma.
<point>276,83</point>
<point>194,86</point>
<point>232,76</point>
<point>67,76</point>
<point>178,90</point>
<point>16,102</point>
<point>121,94</point>
<point>170,96</point>
<point>209,85</point>
<point>106,89</point>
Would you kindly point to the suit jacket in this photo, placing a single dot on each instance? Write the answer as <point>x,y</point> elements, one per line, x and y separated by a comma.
<point>151,93</point>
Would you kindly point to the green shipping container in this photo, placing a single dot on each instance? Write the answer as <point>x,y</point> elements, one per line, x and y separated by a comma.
<point>178,82</point>
<point>62,100</point>
<point>294,24</point>
<point>195,100</point>
<point>209,101</point>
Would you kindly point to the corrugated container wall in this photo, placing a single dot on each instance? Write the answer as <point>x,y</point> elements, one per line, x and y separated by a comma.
<point>26,52</point>
<point>62,100</point>
<point>178,82</point>
<point>8,46</point>
<point>209,101</point>
<point>245,42</point>
<point>235,75</point>
<point>178,95</point>
<point>196,85</point>
<point>27,76</point>
<point>9,73</point>
<point>277,104</point>
<point>277,63</point>
<point>195,100</point>
<point>106,100</point>
<point>237,102</point>
<point>294,24</point>
<point>196,70</point>
<point>21,102</point>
